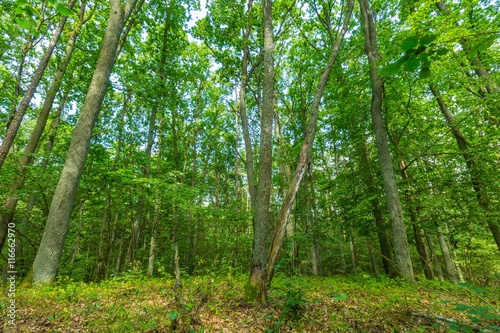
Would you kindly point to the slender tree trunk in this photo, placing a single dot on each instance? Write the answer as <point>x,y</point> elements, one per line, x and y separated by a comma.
<point>156,213</point>
<point>421,247</point>
<point>305,152</point>
<point>385,245</point>
<point>477,182</point>
<point>342,254</point>
<point>27,158</point>
<point>25,102</point>
<point>445,250</point>
<point>311,225</point>
<point>399,239</point>
<point>49,253</point>
<point>373,261</point>
<point>354,254</point>
<point>249,165</point>
<point>435,259</point>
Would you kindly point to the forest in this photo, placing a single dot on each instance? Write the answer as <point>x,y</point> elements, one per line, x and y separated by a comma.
<point>250,166</point>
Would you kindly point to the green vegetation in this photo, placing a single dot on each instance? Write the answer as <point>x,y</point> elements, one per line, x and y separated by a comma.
<point>271,165</point>
<point>134,303</point>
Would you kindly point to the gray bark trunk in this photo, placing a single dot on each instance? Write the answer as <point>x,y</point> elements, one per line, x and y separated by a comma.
<point>434,257</point>
<point>49,253</point>
<point>256,287</point>
<point>477,182</point>
<point>445,250</point>
<point>305,152</point>
<point>399,238</point>
<point>385,245</point>
<point>25,102</point>
<point>27,157</point>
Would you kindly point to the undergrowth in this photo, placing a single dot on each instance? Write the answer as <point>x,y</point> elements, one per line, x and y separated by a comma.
<point>134,303</point>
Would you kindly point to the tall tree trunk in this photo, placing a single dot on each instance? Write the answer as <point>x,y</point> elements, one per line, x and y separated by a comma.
<point>156,213</point>
<point>27,157</point>
<point>421,247</point>
<point>249,165</point>
<point>25,102</point>
<point>49,253</point>
<point>435,259</point>
<point>385,245</point>
<point>477,182</point>
<point>311,225</point>
<point>445,250</point>
<point>256,287</point>
<point>399,239</point>
<point>305,152</point>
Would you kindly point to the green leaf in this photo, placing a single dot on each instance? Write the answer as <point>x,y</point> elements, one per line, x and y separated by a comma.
<point>339,296</point>
<point>420,49</point>
<point>63,10</point>
<point>24,23</point>
<point>454,327</point>
<point>412,64</point>
<point>391,69</point>
<point>409,43</point>
<point>466,329</point>
<point>424,57</point>
<point>427,39</point>
<point>172,315</point>
<point>441,52</point>
<point>424,73</point>
<point>461,307</point>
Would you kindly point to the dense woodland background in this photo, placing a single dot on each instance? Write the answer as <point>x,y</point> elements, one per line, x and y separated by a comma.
<point>205,136</point>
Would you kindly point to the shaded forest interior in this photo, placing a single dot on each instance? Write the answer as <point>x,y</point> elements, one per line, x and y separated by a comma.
<point>243,141</point>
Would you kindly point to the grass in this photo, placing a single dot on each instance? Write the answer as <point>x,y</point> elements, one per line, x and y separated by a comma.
<point>134,303</point>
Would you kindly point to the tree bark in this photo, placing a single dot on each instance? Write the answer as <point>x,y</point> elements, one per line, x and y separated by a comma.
<point>385,245</point>
<point>445,250</point>
<point>49,252</point>
<point>256,287</point>
<point>399,238</point>
<point>421,247</point>
<point>477,182</point>
<point>305,152</point>
<point>249,165</point>
<point>27,157</point>
<point>25,102</point>
<point>434,257</point>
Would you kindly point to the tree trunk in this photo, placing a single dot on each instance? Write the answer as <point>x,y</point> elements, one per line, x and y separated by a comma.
<point>15,123</point>
<point>399,239</point>
<point>27,157</point>
<point>435,259</point>
<point>249,165</point>
<point>477,182</point>
<point>445,250</point>
<point>256,287</point>
<point>385,245</point>
<point>49,253</point>
<point>421,247</point>
<point>305,152</point>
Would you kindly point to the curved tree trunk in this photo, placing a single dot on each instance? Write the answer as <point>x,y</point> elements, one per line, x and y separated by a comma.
<point>49,253</point>
<point>305,152</point>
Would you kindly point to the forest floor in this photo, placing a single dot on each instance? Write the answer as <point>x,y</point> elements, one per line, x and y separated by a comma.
<point>133,303</point>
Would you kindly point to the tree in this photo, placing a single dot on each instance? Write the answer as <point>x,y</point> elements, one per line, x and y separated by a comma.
<point>25,102</point>
<point>400,242</point>
<point>49,253</point>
